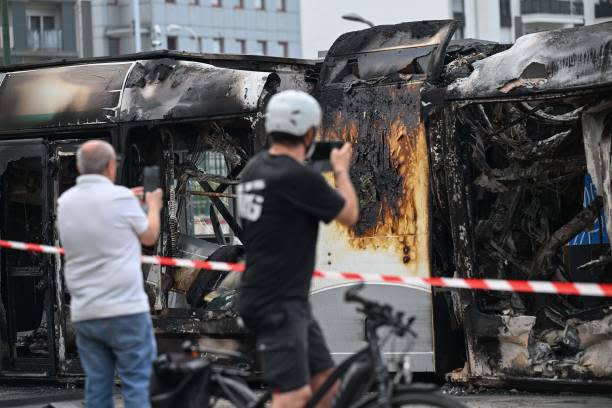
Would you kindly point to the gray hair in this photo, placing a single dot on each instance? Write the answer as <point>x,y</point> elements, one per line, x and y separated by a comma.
<point>93,156</point>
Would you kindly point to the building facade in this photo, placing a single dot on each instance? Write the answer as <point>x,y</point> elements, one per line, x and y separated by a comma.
<point>50,29</point>
<point>506,20</point>
<point>256,27</point>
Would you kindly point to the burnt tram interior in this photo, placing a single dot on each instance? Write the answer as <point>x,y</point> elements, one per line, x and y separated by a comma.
<point>511,145</point>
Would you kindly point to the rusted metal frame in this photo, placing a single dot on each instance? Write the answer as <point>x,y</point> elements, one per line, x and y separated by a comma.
<point>58,289</point>
<point>192,119</point>
<point>163,245</point>
<point>233,224</point>
<point>212,194</point>
<point>439,211</point>
<point>233,175</point>
<point>4,319</point>
<point>214,219</point>
<point>52,133</point>
<point>522,118</point>
<point>219,193</point>
<point>113,125</point>
<point>459,193</point>
<point>436,65</point>
<point>555,119</point>
<point>460,212</point>
<point>441,245</point>
<point>49,170</point>
<point>582,220</point>
<point>183,56</point>
<point>580,91</point>
<point>198,175</point>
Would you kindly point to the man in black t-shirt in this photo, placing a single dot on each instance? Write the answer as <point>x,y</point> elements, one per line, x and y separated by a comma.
<point>280,203</point>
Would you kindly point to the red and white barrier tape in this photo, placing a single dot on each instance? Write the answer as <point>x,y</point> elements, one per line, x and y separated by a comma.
<point>559,288</point>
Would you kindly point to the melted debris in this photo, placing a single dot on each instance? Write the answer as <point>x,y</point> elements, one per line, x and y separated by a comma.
<point>515,199</point>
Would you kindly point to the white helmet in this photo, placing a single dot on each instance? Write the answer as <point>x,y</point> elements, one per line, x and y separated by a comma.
<point>292,112</point>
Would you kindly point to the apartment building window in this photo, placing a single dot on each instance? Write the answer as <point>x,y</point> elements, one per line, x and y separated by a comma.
<point>568,7</point>
<point>260,4</point>
<point>458,6</point>
<point>114,46</point>
<point>172,42</point>
<point>242,46</point>
<point>284,46</point>
<point>239,4</point>
<point>505,14</point>
<point>460,31</point>
<point>218,45</point>
<point>216,3</point>
<point>282,5</point>
<point>459,16</point>
<point>577,8</point>
<point>603,9</point>
<point>43,33</point>
<point>200,44</point>
<point>263,47</point>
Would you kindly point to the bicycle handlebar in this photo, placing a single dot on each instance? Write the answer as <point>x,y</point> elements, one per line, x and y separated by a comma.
<point>380,314</point>
<point>351,296</point>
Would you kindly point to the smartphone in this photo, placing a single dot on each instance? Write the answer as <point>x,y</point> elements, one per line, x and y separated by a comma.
<point>150,178</point>
<point>150,182</point>
<point>323,150</point>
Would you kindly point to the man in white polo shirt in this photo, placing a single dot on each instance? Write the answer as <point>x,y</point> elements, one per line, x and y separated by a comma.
<point>101,227</point>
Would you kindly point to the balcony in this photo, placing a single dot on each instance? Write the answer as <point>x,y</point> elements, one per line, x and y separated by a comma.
<point>47,40</point>
<point>544,15</point>
<point>563,7</point>
<point>603,10</point>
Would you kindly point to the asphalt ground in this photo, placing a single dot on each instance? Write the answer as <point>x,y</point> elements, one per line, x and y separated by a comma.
<point>70,397</point>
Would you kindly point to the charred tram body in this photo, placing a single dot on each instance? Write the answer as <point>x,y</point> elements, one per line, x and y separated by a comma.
<point>472,159</point>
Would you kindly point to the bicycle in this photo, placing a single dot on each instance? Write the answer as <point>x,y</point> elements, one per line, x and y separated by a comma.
<point>365,380</point>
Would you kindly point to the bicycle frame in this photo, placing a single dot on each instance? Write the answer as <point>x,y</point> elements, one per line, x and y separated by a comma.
<point>224,383</point>
<point>366,361</point>
<point>239,394</point>
<point>371,352</point>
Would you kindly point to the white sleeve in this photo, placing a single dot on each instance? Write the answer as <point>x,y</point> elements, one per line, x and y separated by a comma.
<point>133,214</point>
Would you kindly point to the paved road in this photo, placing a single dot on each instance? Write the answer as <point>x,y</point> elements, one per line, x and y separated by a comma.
<point>71,398</point>
<point>536,401</point>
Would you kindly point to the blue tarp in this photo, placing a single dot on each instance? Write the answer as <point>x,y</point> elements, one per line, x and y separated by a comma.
<point>597,235</point>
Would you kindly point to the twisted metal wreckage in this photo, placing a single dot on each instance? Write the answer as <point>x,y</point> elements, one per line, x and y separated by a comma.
<point>472,159</point>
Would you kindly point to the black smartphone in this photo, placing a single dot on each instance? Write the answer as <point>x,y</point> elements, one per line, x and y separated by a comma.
<point>150,178</point>
<point>323,150</point>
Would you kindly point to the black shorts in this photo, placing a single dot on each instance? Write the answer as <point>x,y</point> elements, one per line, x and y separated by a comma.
<point>290,344</point>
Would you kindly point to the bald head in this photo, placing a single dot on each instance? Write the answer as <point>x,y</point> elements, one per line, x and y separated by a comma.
<point>93,157</point>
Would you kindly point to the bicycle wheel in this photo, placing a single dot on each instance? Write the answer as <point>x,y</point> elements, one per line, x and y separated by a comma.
<point>407,399</point>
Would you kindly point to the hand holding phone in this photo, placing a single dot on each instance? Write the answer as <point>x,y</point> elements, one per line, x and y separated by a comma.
<point>139,193</point>
<point>152,195</point>
<point>150,178</point>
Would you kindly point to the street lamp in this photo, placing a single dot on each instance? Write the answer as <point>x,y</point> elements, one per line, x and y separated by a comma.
<point>170,28</point>
<point>136,25</point>
<point>6,41</point>
<point>357,18</point>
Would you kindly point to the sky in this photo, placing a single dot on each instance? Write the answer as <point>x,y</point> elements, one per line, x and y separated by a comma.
<point>322,22</point>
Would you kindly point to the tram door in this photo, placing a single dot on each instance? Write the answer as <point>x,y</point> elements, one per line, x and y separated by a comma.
<point>26,279</point>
